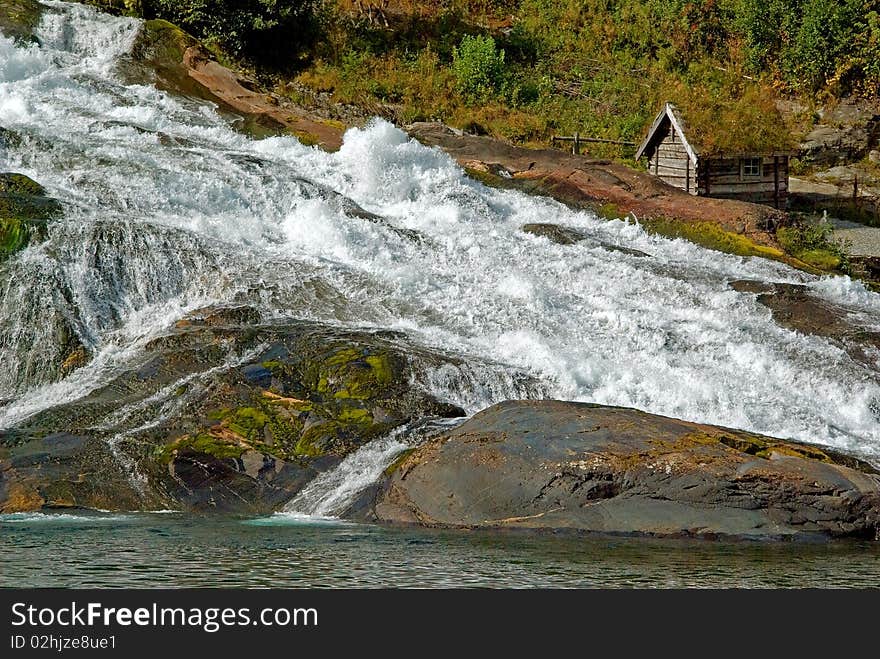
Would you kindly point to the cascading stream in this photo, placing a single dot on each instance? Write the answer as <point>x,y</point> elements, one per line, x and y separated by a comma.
<point>168,209</point>
<point>333,491</point>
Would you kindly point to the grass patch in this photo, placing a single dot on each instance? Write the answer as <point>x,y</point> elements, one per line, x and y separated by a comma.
<point>524,70</point>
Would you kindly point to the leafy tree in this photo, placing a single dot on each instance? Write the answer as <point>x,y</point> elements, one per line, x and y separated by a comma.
<point>270,32</point>
<point>812,42</point>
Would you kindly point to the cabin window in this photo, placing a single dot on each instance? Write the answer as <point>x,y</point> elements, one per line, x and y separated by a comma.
<point>751,166</point>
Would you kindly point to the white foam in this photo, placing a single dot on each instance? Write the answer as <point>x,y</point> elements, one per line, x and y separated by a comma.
<point>663,333</point>
<point>60,518</point>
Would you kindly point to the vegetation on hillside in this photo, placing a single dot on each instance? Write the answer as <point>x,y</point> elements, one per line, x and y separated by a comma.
<point>526,69</point>
<point>600,67</point>
<point>271,34</point>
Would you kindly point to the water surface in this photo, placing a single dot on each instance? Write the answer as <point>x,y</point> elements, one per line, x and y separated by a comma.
<point>175,550</point>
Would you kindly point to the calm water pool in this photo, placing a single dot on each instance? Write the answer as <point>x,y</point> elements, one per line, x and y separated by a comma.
<point>177,550</point>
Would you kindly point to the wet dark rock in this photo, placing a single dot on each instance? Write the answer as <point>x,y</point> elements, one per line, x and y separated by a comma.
<point>352,209</point>
<point>224,412</point>
<point>25,211</point>
<point>550,466</point>
<point>555,233</point>
<point>794,307</point>
<point>568,236</point>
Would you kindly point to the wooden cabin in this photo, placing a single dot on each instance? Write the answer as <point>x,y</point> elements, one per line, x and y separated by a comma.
<point>760,177</point>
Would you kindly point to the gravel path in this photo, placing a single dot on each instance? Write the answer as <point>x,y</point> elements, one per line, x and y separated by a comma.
<point>865,241</point>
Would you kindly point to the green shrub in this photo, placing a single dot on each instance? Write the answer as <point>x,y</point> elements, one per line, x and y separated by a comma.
<point>812,43</point>
<point>813,244</point>
<point>478,66</point>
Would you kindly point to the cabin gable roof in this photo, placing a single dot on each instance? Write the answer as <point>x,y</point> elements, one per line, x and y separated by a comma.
<point>669,115</point>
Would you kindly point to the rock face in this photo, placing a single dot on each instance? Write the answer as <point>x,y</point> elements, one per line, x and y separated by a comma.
<point>19,19</point>
<point>546,465</point>
<point>224,413</point>
<point>175,61</point>
<point>847,133</point>
<point>24,211</point>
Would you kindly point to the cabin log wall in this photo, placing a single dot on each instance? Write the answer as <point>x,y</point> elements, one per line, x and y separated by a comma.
<point>670,161</point>
<point>723,177</point>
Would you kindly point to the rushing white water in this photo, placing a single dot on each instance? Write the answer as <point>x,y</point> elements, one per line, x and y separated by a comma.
<point>333,491</point>
<point>167,209</point>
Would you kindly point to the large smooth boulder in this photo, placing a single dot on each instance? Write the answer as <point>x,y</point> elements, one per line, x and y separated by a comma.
<point>548,465</point>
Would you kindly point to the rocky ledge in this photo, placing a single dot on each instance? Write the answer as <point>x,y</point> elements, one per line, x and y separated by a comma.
<point>25,211</point>
<point>225,412</point>
<point>555,466</point>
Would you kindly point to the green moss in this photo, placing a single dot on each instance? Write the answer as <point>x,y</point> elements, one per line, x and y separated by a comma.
<point>248,422</point>
<point>316,440</point>
<point>219,414</point>
<point>20,18</point>
<point>354,415</point>
<point>285,432</point>
<point>710,235</point>
<point>206,443</point>
<point>821,258</point>
<point>306,139</point>
<point>381,365</point>
<point>166,42</point>
<point>19,184</point>
<point>399,460</point>
<point>24,212</point>
<point>14,236</point>
<point>203,443</point>
<point>366,378</point>
<point>348,373</point>
<point>273,366</point>
<point>343,357</point>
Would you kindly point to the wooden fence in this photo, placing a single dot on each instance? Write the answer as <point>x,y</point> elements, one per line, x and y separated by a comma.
<point>576,141</point>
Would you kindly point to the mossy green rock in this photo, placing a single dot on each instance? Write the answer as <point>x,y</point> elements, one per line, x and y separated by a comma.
<point>20,185</point>
<point>19,19</point>
<point>242,436</point>
<point>24,212</point>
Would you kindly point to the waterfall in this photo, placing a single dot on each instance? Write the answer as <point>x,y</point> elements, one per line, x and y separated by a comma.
<point>167,208</point>
<point>333,491</point>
